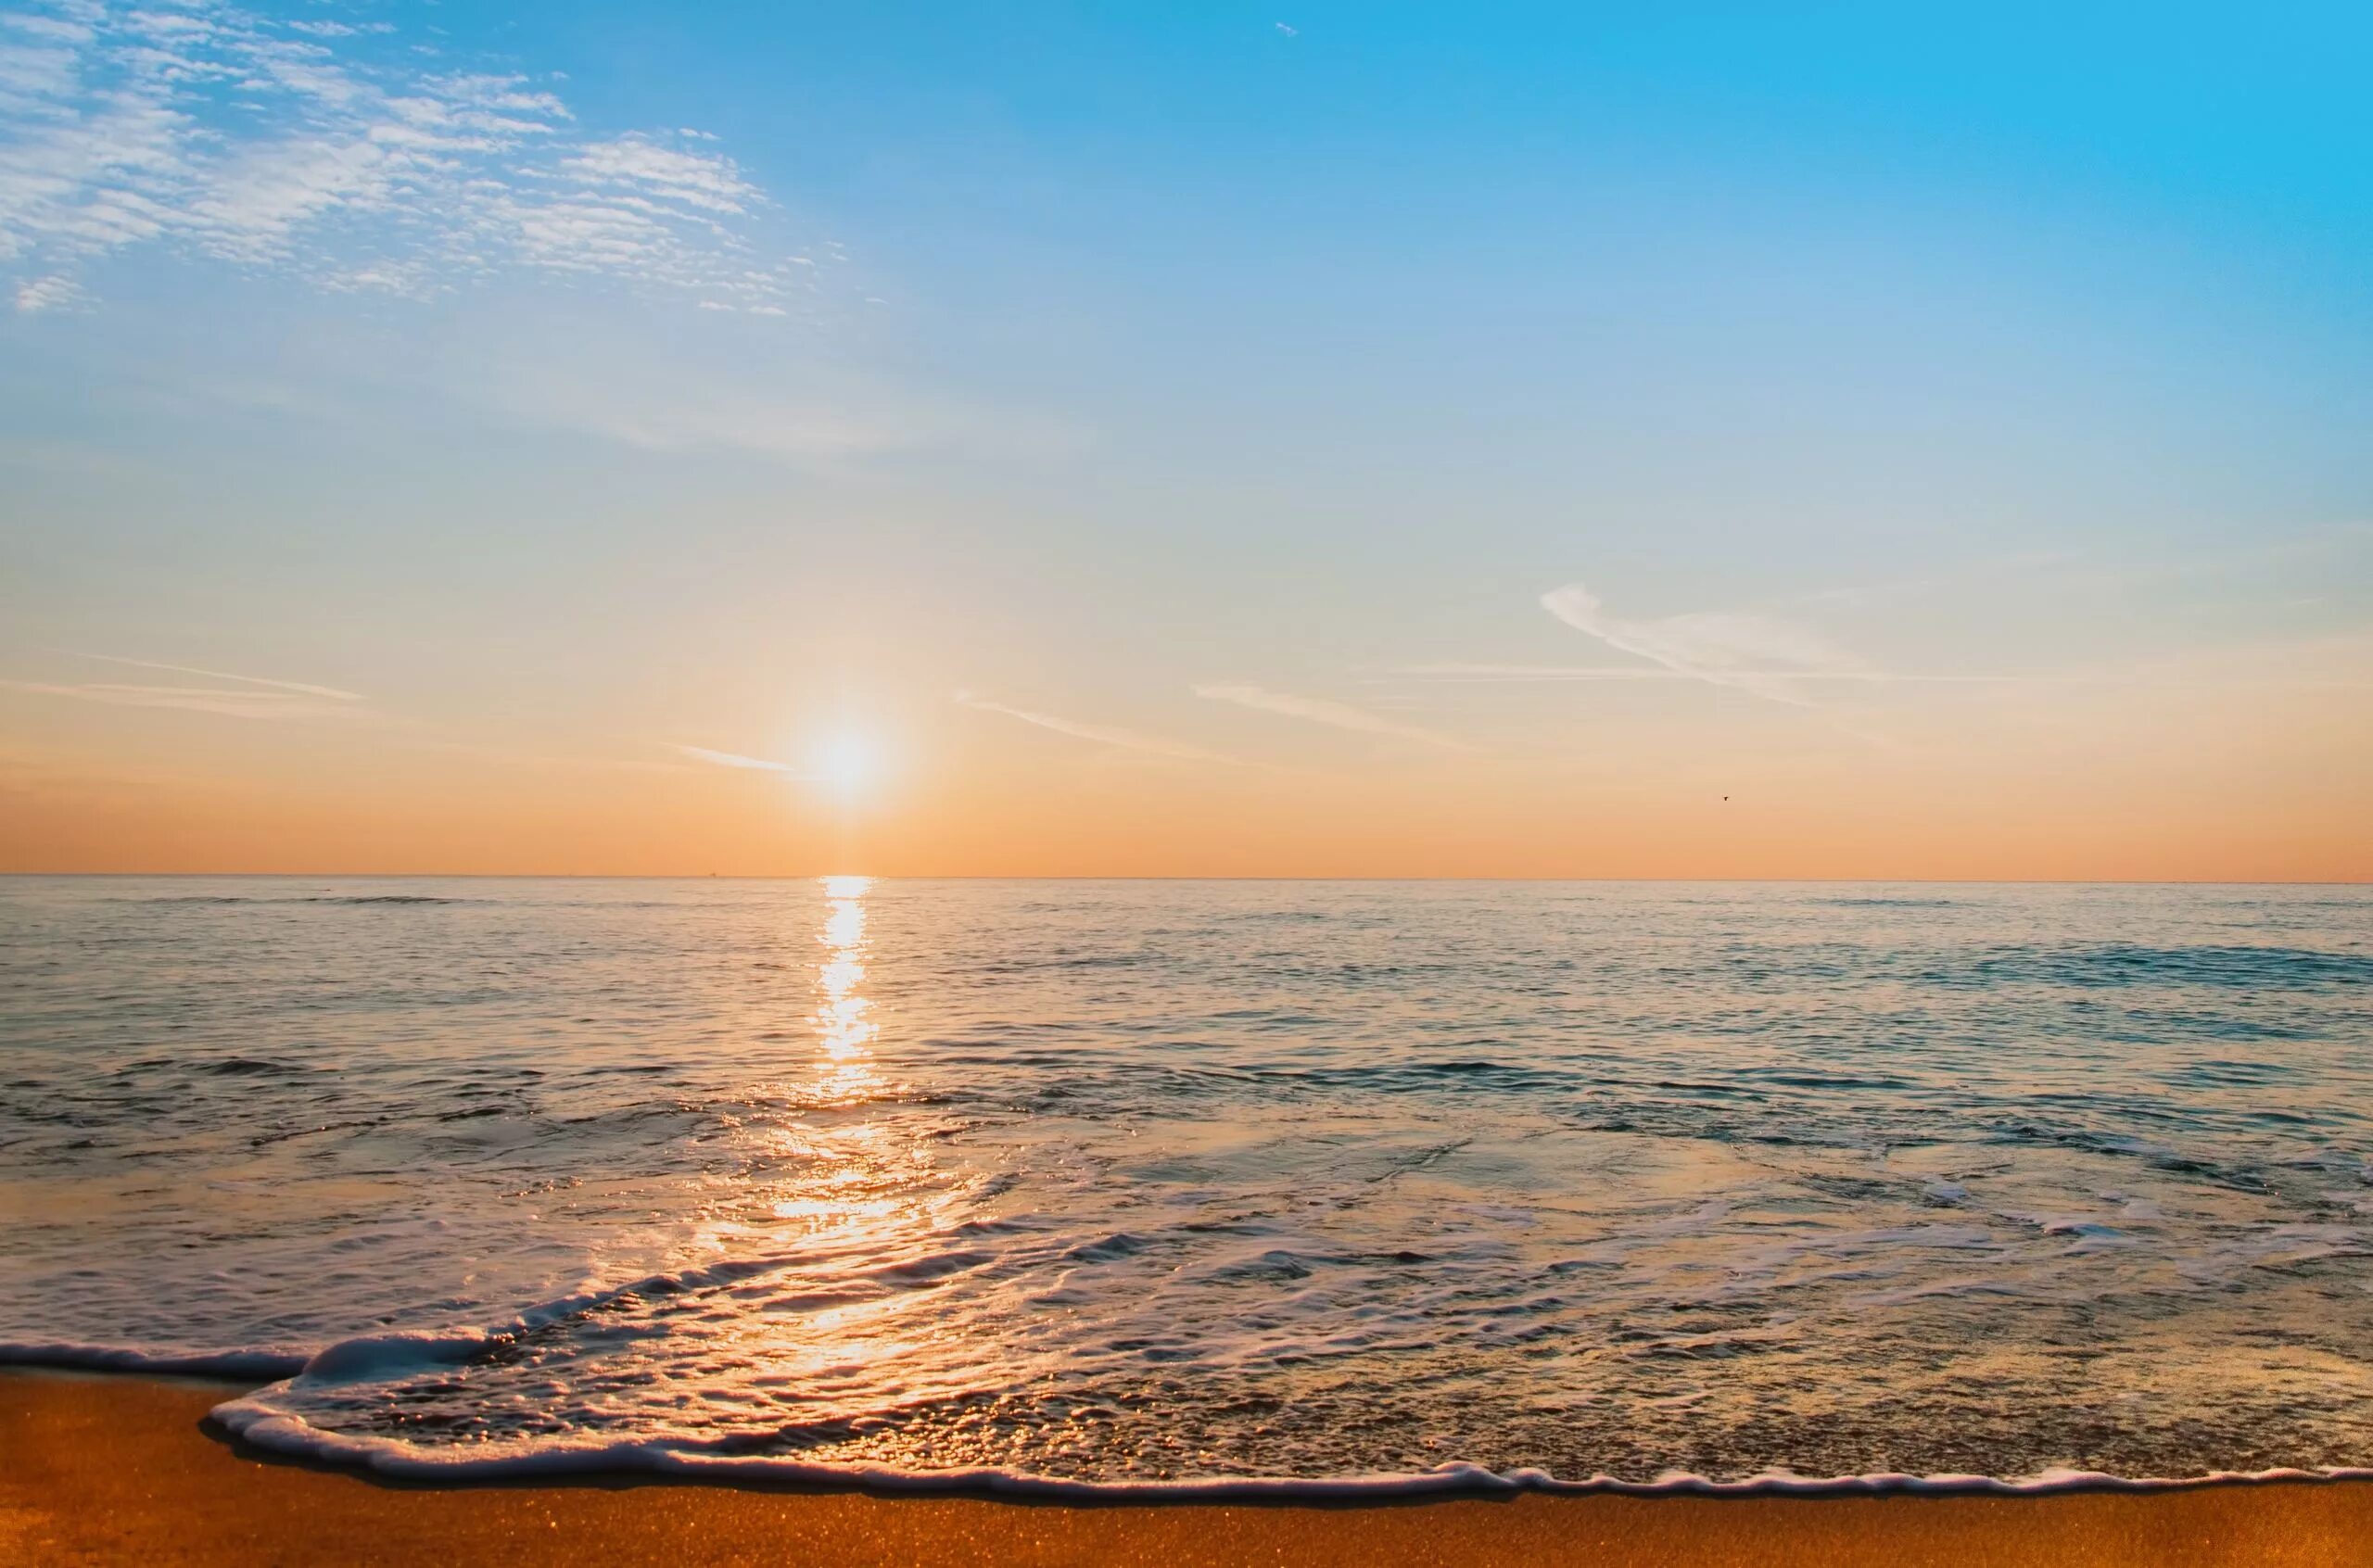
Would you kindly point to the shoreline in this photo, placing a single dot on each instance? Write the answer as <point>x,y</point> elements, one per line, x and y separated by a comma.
<point>109,1467</point>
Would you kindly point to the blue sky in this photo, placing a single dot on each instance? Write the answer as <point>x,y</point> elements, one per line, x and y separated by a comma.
<point>577,385</point>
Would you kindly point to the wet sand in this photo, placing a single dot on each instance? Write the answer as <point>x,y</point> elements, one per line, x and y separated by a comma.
<point>106,1470</point>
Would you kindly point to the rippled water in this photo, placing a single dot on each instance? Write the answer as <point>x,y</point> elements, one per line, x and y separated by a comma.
<point>1122,1182</point>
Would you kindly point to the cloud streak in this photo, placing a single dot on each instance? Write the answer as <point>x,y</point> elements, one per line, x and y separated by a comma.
<point>250,696</point>
<point>1318,710</point>
<point>1757,654</point>
<point>1102,735</point>
<point>731,759</point>
<point>296,686</point>
<point>776,409</point>
<point>1521,672</point>
<point>235,703</point>
<point>318,150</point>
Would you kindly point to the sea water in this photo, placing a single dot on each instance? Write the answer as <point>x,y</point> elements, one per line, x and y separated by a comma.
<point>1112,1183</point>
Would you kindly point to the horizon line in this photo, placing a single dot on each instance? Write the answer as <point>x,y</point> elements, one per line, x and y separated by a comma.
<point>1160,877</point>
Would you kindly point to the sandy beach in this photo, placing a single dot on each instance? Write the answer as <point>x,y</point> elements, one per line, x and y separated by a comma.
<point>104,1469</point>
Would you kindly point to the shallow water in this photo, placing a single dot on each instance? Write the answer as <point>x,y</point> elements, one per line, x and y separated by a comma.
<point>1124,1181</point>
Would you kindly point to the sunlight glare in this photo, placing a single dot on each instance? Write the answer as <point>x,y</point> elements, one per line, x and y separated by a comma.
<point>846,763</point>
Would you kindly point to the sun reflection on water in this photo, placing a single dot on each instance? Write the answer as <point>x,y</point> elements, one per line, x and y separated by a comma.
<point>859,1202</point>
<point>848,1170</point>
<point>845,1025</point>
<point>853,1211</point>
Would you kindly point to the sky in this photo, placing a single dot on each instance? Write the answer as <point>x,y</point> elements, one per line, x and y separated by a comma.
<point>1334,439</point>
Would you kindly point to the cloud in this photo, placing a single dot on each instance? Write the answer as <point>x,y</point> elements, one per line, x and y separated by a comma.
<point>1102,735</point>
<point>1520,673</point>
<point>296,686</point>
<point>1341,715</point>
<point>703,393</point>
<point>312,149</point>
<point>1535,672</point>
<point>643,167</point>
<point>253,697</point>
<point>2144,676</point>
<point>240,702</point>
<point>712,420</point>
<point>52,293</point>
<point>1757,654</point>
<point>729,759</point>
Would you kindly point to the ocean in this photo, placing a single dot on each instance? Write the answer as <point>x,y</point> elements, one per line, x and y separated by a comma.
<point>1303,1187</point>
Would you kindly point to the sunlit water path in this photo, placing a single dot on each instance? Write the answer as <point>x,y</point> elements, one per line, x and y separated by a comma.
<point>1129,1181</point>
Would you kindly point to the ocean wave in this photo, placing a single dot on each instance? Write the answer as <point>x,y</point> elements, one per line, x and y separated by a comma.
<point>230,1366</point>
<point>1881,902</point>
<point>387,898</point>
<point>356,899</point>
<point>258,1419</point>
<point>2237,967</point>
<point>243,1066</point>
<point>253,1419</point>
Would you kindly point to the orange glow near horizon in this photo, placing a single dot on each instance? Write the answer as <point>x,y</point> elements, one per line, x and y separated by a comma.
<point>2216,782</point>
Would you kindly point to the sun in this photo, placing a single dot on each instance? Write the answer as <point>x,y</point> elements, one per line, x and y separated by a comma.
<point>847,764</point>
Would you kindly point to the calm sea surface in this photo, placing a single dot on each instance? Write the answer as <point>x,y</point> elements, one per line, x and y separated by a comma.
<point>1124,1181</point>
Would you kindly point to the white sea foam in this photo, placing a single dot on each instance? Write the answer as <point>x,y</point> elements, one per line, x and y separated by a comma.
<point>254,1419</point>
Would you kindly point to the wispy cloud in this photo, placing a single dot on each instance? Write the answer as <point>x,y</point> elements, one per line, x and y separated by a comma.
<point>1584,673</point>
<point>315,148</point>
<point>296,686</point>
<point>778,411</point>
<point>1102,735</point>
<point>252,697</point>
<point>2144,677</point>
<point>1482,672</point>
<point>731,759</point>
<point>54,293</point>
<point>1318,710</point>
<point>232,702</point>
<point>1759,655</point>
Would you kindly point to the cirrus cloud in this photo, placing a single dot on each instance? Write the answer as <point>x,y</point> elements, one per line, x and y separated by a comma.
<point>1100,734</point>
<point>1319,710</point>
<point>735,759</point>
<point>315,147</point>
<point>1759,655</point>
<point>250,696</point>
